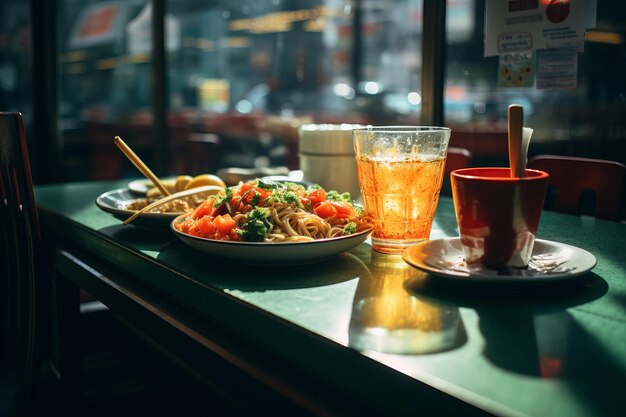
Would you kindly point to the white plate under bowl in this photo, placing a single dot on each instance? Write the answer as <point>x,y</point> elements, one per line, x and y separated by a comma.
<point>550,261</point>
<point>280,253</point>
<point>116,201</point>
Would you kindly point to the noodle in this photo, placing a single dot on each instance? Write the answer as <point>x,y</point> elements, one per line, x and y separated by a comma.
<point>297,224</point>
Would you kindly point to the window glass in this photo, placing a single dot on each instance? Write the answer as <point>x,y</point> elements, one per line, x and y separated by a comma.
<point>104,86</point>
<point>586,120</point>
<point>248,73</point>
<point>15,64</point>
<point>241,76</point>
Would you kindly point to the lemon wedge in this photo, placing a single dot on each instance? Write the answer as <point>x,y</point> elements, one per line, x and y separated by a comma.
<point>182,181</point>
<point>205,179</point>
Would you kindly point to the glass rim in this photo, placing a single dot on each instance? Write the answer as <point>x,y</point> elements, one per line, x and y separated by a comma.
<point>401,129</point>
<point>328,127</point>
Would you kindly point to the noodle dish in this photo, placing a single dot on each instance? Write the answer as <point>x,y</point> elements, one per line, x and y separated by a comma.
<point>274,212</point>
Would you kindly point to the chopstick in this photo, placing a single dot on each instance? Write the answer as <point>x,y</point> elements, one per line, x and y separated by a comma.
<point>516,121</point>
<point>171,197</point>
<point>140,165</point>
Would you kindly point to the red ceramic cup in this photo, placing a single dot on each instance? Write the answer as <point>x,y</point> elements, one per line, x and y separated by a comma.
<point>497,214</point>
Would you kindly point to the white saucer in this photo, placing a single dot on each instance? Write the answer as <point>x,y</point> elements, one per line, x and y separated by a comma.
<point>550,261</point>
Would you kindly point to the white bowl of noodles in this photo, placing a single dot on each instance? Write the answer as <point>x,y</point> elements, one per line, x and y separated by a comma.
<point>267,222</point>
<point>265,253</point>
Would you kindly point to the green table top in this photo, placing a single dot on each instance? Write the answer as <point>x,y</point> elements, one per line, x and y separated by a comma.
<point>536,350</point>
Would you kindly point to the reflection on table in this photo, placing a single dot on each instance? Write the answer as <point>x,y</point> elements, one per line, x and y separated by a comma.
<point>386,318</point>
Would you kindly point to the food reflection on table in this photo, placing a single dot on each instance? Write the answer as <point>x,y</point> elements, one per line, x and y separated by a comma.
<point>386,318</point>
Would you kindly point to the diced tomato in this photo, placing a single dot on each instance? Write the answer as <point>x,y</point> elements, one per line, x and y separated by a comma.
<point>243,188</point>
<point>264,195</point>
<point>185,225</point>
<point>226,236</point>
<point>343,208</point>
<point>334,210</point>
<point>252,193</point>
<point>205,208</point>
<point>249,195</point>
<point>203,227</point>
<point>235,204</point>
<point>325,210</point>
<point>316,196</point>
<point>245,199</point>
<point>224,224</point>
<point>193,231</point>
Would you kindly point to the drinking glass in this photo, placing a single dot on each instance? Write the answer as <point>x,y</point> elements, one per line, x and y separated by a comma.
<point>400,171</point>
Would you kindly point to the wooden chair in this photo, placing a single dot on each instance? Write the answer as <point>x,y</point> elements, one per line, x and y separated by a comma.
<point>47,326</point>
<point>457,158</point>
<point>27,307</point>
<point>573,180</point>
<point>21,285</point>
<point>488,143</point>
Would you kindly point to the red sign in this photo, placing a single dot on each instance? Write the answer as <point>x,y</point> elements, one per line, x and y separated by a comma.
<point>98,22</point>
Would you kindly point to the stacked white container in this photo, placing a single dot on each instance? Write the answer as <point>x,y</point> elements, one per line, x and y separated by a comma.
<point>326,156</point>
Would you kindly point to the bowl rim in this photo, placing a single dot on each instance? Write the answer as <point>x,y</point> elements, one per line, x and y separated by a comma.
<point>480,173</point>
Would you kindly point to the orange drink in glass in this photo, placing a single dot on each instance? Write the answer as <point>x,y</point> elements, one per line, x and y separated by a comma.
<point>400,171</point>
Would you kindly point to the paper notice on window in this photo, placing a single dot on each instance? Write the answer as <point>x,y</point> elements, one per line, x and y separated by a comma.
<point>516,70</point>
<point>557,68</point>
<point>523,25</point>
